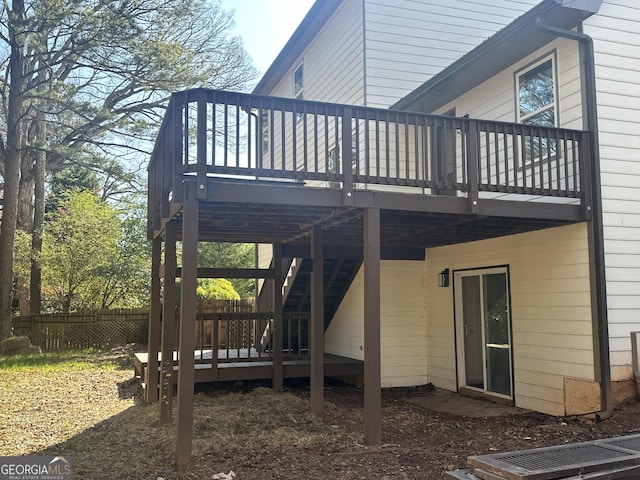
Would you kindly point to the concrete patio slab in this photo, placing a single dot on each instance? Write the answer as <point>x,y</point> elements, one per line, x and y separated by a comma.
<point>451,403</point>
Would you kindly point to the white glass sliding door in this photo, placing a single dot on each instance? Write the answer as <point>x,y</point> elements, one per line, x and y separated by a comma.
<point>483,331</point>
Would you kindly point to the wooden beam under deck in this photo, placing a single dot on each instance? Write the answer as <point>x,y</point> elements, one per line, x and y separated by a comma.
<point>404,219</point>
<point>353,252</point>
<point>301,196</point>
<point>231,273</point>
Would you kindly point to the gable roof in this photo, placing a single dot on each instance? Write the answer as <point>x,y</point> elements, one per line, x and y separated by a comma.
<point>518,39</point>
<point>310,26</point>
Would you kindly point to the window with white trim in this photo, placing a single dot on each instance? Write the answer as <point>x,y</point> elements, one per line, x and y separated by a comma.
<point>537,103</point>
<point>298,82</point>
<point>298,86</point>
<point>264,128</point>
<point>537,94</point>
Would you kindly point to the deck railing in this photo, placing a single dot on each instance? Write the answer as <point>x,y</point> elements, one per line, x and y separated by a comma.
<point>213,133</point>
<point>248,336</point>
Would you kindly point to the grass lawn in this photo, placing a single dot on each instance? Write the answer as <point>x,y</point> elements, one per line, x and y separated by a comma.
<point>86,405</point>
<point>78,403</point>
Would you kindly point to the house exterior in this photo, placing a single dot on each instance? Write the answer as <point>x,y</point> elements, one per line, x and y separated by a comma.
<point>379,54</point>
<point>615,116</point>
<point>479,235</point>
<point>374,52</point>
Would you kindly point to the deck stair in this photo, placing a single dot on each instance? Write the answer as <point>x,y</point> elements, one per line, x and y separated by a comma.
<point>296,295</point>
<point>606,459</point>
<point>338,275</point>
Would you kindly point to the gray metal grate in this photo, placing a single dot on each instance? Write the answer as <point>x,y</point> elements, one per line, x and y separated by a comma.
<point>630,443</point>
<point>562,460</point>
<point>533,460</point>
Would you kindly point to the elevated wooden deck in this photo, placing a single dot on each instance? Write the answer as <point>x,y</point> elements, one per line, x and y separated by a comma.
<point>268,169</point>
<point>257,368</point>
<point>319,180</point>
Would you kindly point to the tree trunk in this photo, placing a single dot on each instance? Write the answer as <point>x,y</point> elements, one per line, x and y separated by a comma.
<point>24,223</point>
<point>25,194</point>
<point>15,112</point>
<point>7,233</point>
<point>35,284</point>
<point>39,175</point>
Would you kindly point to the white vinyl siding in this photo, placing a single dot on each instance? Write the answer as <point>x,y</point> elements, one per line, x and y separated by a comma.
<point>265,254</point>
<point>333,61</point>
<point>617,44</point>
<point>333,71</point>
<point>404,332</point>
<point>550,311</point>
<point>409,41</point>
<point>495,99</point>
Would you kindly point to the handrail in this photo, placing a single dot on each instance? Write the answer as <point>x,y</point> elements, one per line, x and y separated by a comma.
<point>238,337</point>
<point>216,133</point>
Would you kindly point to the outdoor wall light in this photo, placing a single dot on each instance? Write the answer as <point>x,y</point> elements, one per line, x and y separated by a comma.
<point>443,278</point>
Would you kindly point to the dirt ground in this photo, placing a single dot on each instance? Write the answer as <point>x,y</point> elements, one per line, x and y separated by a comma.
<point>417,443</point>
<point>94,415</point>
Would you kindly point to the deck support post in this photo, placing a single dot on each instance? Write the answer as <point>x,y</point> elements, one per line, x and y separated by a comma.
<point>317,322</point>
<point>186,361</point>
<point>372,379</point>
<point>278,315</point>
<point>151,380</point>
<point>169,327</point>
<point>473,167</point>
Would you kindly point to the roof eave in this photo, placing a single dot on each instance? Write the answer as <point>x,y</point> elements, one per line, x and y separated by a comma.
<point>518,39</point>
<point>310,26</point>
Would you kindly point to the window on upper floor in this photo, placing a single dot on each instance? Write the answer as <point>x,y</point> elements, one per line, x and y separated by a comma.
<point>298,86</point>
<point>537,103</point>
<point>536,91</point>
<point>298,81</point>
<point>264,128</point>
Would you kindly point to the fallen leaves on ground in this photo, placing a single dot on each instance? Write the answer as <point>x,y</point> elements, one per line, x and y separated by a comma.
<point>91,411</point>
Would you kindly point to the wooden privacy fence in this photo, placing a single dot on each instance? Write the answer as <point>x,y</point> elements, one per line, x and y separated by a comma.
<point>101,329</point>
<point>230,334</point>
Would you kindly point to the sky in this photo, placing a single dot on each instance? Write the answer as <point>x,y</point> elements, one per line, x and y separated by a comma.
<point>266,25</point>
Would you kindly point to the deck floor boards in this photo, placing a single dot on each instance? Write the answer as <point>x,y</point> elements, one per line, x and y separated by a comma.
<point>254,366</point>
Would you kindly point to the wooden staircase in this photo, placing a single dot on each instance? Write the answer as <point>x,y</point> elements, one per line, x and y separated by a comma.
<point>338,276</point>
<point>296,297</point>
